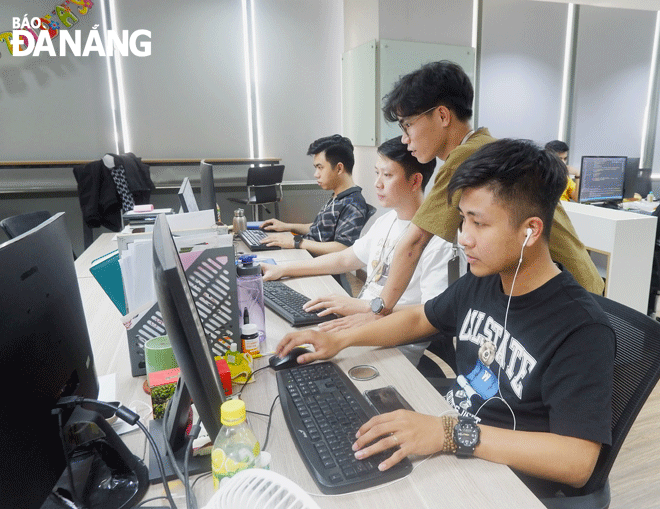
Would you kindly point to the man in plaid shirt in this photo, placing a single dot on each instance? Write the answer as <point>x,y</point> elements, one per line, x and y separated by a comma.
<point>339,223</point>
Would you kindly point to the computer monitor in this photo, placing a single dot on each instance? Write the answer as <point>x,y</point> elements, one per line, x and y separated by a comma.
<point>631,176</point>
<point>45,354</point>
<point>637,180</point>
<point>207,200</point>
<point>199,376</point>
<point>601,179</point>
<point>187,197</point>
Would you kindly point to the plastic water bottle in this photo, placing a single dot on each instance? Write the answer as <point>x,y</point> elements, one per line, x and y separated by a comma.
<point>250,289</point>
<point>235,448</point>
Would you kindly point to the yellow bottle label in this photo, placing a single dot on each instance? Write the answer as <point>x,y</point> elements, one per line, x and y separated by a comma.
<point>226,467</point>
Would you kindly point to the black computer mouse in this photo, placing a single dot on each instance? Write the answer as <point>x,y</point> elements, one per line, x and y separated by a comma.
<point>289,360</point>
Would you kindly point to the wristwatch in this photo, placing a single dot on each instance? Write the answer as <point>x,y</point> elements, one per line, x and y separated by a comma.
<point>466,436</point>
<point>377,306</point>
<point>297,239</point>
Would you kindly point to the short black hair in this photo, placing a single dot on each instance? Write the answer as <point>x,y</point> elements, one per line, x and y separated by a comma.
<point>397,151</point>
<point>337,148</point>
<point>434,84</point>
<point>525,178</point>
<point>556,146</point>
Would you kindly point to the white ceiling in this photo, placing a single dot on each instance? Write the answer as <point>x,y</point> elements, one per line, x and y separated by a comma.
<point>647,5</point>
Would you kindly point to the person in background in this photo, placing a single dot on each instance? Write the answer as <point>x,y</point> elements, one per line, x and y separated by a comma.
<point>340,222</point>
<point>400,183</point>
<point>533,392</point>
<point>560,148</point>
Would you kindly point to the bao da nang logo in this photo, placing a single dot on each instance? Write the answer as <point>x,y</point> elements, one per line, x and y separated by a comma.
<point>37,36</point>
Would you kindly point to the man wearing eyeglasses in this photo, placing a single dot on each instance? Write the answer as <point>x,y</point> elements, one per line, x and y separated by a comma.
<point>433,107</point>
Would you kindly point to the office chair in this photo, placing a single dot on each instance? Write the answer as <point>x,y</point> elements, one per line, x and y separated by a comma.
<point>256,487</point>
<point>443,348</point>
<point>636,372</point>
<point>655,268</point>
<point>17,225</point>
<point>264,186</point>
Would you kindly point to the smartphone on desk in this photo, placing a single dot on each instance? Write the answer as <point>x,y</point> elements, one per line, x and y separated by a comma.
<point>387,399</point>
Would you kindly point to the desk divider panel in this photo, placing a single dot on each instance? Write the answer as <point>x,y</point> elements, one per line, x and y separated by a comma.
<point>211,275</point>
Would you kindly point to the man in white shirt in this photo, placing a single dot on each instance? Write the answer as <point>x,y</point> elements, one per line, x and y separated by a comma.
<point>400,183</point>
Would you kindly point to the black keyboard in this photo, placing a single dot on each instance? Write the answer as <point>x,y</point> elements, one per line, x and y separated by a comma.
<point>252,239</point>
<point>324,410</point>
<point>288,304</point>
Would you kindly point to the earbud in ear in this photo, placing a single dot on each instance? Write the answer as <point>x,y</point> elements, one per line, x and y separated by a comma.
<point>529,232</point>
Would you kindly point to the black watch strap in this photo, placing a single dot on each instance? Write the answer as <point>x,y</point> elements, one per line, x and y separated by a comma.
<point>297,239</point>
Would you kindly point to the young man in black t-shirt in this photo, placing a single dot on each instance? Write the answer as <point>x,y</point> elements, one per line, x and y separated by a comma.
<point>534,351</point>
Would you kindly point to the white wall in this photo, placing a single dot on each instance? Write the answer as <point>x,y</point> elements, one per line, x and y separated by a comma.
<point>52,107</point>
<point>188,99</point>
<point>299,46</point>
<point>433,21</point>
<point>612,73</point>
<point>521,68</point>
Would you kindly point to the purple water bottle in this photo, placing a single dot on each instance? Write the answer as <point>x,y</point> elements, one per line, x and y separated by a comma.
<point>250,288</point>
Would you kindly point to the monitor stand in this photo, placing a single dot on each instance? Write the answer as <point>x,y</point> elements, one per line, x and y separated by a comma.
<point>105,473</point>
<point>176,422</point>
<point>610,204</point>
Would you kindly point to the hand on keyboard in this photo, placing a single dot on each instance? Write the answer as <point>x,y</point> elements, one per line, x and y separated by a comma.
<point>341,305</point>
<point>283,240</point>
<point>348,322</point>
<point>275,225</point>
<point>412,432</point>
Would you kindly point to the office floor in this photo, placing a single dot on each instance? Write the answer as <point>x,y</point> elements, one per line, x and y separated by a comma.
<point>635,476</point>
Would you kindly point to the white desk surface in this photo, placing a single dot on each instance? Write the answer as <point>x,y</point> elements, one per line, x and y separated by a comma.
<point>440,481</point>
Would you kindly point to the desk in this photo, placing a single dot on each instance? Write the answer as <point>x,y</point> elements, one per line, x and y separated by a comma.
<point>621,245</point>
<point>442,480</point>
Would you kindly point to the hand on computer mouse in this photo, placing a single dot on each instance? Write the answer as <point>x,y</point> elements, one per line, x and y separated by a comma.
<point>325,345</point>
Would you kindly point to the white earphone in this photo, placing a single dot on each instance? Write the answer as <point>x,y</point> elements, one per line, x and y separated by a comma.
<point>529,232</point>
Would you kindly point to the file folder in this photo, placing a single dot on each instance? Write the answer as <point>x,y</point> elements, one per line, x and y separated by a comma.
<point>107,272</point>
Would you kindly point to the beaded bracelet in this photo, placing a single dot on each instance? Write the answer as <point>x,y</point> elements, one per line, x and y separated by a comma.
<point>449,445</point>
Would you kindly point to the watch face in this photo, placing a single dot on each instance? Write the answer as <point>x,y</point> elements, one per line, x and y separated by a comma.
<point>467,434</point>
<point>377,305</point>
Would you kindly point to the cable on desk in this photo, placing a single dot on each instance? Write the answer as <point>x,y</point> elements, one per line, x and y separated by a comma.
<point>270,418</point>
<point>191,501</point>
<point>249,378</point>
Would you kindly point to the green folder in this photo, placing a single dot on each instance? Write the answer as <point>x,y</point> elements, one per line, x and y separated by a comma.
<point>107,272</point>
